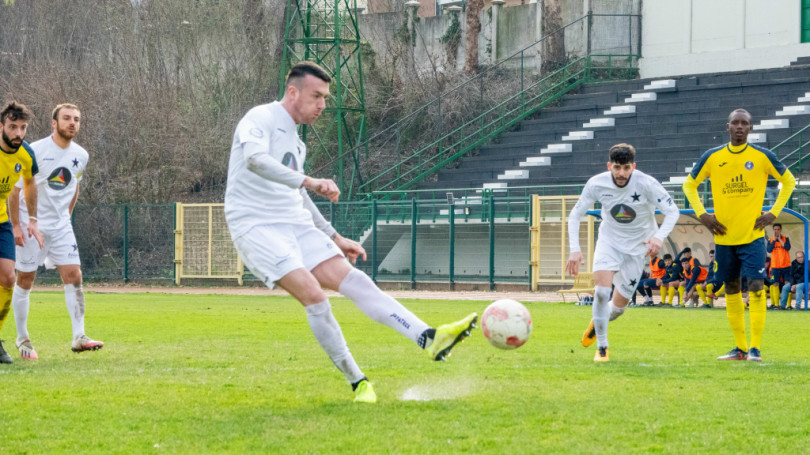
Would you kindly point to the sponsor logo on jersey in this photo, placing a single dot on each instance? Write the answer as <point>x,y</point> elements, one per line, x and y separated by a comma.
<point>59,179</point>
<point>623,214</point>
<point>722,164</point>
<point>737,187</point>
<point>290,161</point>
<point>5,186</point>
<point>605,195</point>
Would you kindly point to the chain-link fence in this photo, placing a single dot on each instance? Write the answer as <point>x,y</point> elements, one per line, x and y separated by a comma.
<point>123,242</point>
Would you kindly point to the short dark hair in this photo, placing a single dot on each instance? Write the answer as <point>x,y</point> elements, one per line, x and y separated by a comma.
<point>622,154</point>
<point>14,111</point>
<point>668,256</point>
<point>741,111</point>
<point>59,107</point>
<point>777,224</point>
<point>301,69</point>
<point>684,259</point>
<point>687,250</point>
<point>711,251</point>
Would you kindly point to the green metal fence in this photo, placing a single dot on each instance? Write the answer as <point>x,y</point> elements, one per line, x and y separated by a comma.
<point>124,242</point>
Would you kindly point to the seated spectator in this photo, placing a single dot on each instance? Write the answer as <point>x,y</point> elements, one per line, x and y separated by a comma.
<point>672,280</point>
<point>694,277</point>
<point>713,288</point>
<point>796,284</point>
<point>658,269</point>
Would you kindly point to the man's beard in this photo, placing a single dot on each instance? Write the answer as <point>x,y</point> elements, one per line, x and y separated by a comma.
<point>7,140</point>
<point>65,134</point>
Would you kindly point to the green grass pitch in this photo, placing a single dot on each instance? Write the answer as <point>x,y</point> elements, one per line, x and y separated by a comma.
<point>243,374</point>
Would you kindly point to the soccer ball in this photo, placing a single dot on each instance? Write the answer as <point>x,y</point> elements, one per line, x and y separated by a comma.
<point>507,324</point>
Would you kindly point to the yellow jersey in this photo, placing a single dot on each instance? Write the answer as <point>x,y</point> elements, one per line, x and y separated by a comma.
<point>21,162</point>
<point>738,176</point>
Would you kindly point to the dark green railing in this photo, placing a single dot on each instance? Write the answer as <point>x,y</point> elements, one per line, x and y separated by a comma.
<point>475,111</point>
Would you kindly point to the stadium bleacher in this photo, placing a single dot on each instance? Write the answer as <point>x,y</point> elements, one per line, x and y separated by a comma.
<point>670,128</point>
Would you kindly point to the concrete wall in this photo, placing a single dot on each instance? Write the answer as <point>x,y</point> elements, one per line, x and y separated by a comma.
<point>519,26</point>
<point>696,36</point>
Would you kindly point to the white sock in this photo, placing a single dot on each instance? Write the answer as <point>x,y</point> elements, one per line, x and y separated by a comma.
<point>381,307</point>
<point>327,332</point>
<point>615,311</point>
<point>74,298</point>
<point>21,302</point>
<point>601,314</point>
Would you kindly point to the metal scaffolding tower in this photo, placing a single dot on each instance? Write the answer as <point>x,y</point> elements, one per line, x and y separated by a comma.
<point>326,32</point>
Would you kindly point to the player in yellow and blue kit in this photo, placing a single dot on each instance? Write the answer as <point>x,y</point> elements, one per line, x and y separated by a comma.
<point>739,174</point>
<point>17,160</point>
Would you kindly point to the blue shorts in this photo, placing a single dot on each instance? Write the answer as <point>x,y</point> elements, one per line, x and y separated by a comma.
<point>7,248</point>
<point>736,261</point>
<point>782,275</point>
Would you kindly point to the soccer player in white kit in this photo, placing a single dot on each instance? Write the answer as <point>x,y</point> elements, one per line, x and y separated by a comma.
<point>628,232</point>
<point>61,165</point>
<point>284,240</point>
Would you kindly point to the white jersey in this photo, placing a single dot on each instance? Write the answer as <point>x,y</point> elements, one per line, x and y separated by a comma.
<point>628,213</point>
<point>60,171</point>
<point>251,200</point>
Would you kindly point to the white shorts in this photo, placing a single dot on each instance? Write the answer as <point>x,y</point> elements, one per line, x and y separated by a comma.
<point>273,250</point>
<point>59,248</point>
<point>628,267</point>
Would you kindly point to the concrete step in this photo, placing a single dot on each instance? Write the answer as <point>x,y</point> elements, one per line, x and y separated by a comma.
<point>578,136</point>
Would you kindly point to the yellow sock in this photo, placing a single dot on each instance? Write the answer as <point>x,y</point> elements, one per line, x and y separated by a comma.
<point>671,295</point>
<point>5,303</point>
<point>702,294</point>
<point>721,291</point>
<point>774,295</point>
<point>756,312</point>
<point>710,288</point>
<point>735,311</point>
<point>663,291</point>
<point>681,290</point>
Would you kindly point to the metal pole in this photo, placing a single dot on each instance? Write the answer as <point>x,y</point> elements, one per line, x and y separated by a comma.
<point>126,243</point>
<point>174,229</point>
<point>374,240</point>
<point>413,242</point>
<point>452,244</point>
<point>492,244</point>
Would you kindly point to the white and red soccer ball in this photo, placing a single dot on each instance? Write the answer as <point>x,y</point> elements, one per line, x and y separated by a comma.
<point>507,324</point>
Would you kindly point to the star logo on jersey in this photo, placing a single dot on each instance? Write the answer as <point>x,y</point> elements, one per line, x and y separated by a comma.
<point>59,179</point>
<point>75,162</point>
<point>749,165</point>
<point>623,214</point>
<point>633,282</point>
<point>75,247</point>
<point>290,161</point>
<point>635,196</point>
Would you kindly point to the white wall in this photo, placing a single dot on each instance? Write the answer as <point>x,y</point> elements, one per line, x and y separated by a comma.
<point>702,36</point>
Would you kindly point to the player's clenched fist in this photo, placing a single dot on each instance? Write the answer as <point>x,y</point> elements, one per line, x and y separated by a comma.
<point>324,187</point>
